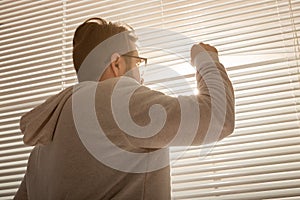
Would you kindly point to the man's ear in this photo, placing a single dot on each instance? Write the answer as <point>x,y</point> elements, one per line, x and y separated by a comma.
<point>114,63</point>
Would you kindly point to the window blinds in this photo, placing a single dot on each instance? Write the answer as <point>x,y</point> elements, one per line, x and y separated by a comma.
<point>30,71</point>
<point>258,42</point>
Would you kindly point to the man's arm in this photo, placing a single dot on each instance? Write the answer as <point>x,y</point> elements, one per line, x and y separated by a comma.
<point>215,107</point>
<point>213,81</point>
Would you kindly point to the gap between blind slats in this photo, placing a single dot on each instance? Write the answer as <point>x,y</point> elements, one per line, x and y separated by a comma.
<point>277,194</point>
<point>23,21</point>
<point>265,112</point>
<point>28,89</point>
<point>261,67</point>
<point>6,4</point>
<point>266,128</point>
<point>286,198</point>
<point>15,149</point>
<point>32,86</point>
<point>9,116</point>
<point>261,104</point>
<point>21,148</point>
<point>193,158</point>
<point>262,99</point>
<point>221,14</point>
<point>237,173</point>
<point>234,167</point>
<point>14,138</point>
<point>11,178</point>
<point>27,66</point>
<point>29,31</point>
<point>33,47</point>
<point>256,137</point>
<point>45,69</point>
<point>75,6</point>
<point>126,10</point>
<point>276,74</point>
<point>232,152</point>
<point>12,184</point>
<point>264,90</point>
<point>242,139</point>
<point>32,79</point>
<point>257,179</point>
<point>47,93</point>
<point>40,56</point>
<point>212,21</point>
<point>274,103</point>
<point>30,6</point>
<point>23,106</point>
<point>10,133</point>
<point>195,3</point>
<point>30,36</point>
<point>267,120</point>
<point>47,82</point>
<point>25,94</point>
<point>43,55</point>
<point>255,188</point>
<point>234,161</point>
<point>11,165</point>
<point>38,97</point>
<point>16,155</point>
<point>8,194</point>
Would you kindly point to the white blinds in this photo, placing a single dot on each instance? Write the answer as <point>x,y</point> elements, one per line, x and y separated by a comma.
<point>258,42</point>
<point>30,71</point>
<point>258,45</point>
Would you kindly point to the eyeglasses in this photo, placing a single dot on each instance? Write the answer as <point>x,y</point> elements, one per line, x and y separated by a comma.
<point>140,64</point>
<point>140,61</point>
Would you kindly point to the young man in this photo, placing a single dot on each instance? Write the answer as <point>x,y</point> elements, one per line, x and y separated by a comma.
<point>124,155</point>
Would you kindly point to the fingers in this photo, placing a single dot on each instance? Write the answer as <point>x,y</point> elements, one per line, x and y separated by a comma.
<point>202,47</point>
<point>208,47</point>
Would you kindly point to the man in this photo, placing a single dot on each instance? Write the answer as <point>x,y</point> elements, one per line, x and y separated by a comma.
<point>75,159</point>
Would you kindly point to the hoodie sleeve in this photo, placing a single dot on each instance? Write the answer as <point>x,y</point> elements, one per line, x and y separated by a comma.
<point>189,120</point>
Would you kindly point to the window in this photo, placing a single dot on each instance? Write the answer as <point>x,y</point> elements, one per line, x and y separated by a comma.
<point>258,42</point>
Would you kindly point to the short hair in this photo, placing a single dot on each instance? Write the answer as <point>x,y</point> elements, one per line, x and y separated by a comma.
<point>91,33</point>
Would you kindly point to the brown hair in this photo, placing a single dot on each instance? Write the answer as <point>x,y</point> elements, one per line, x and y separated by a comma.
<point>91,33</point>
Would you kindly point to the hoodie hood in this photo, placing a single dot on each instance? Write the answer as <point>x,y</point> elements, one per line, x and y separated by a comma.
<point>38,125</point>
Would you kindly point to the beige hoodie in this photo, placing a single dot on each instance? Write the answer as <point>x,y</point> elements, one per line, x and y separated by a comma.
<point>62,166</point>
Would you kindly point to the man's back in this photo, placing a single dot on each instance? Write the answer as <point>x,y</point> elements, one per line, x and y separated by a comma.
<point>64,169</point>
